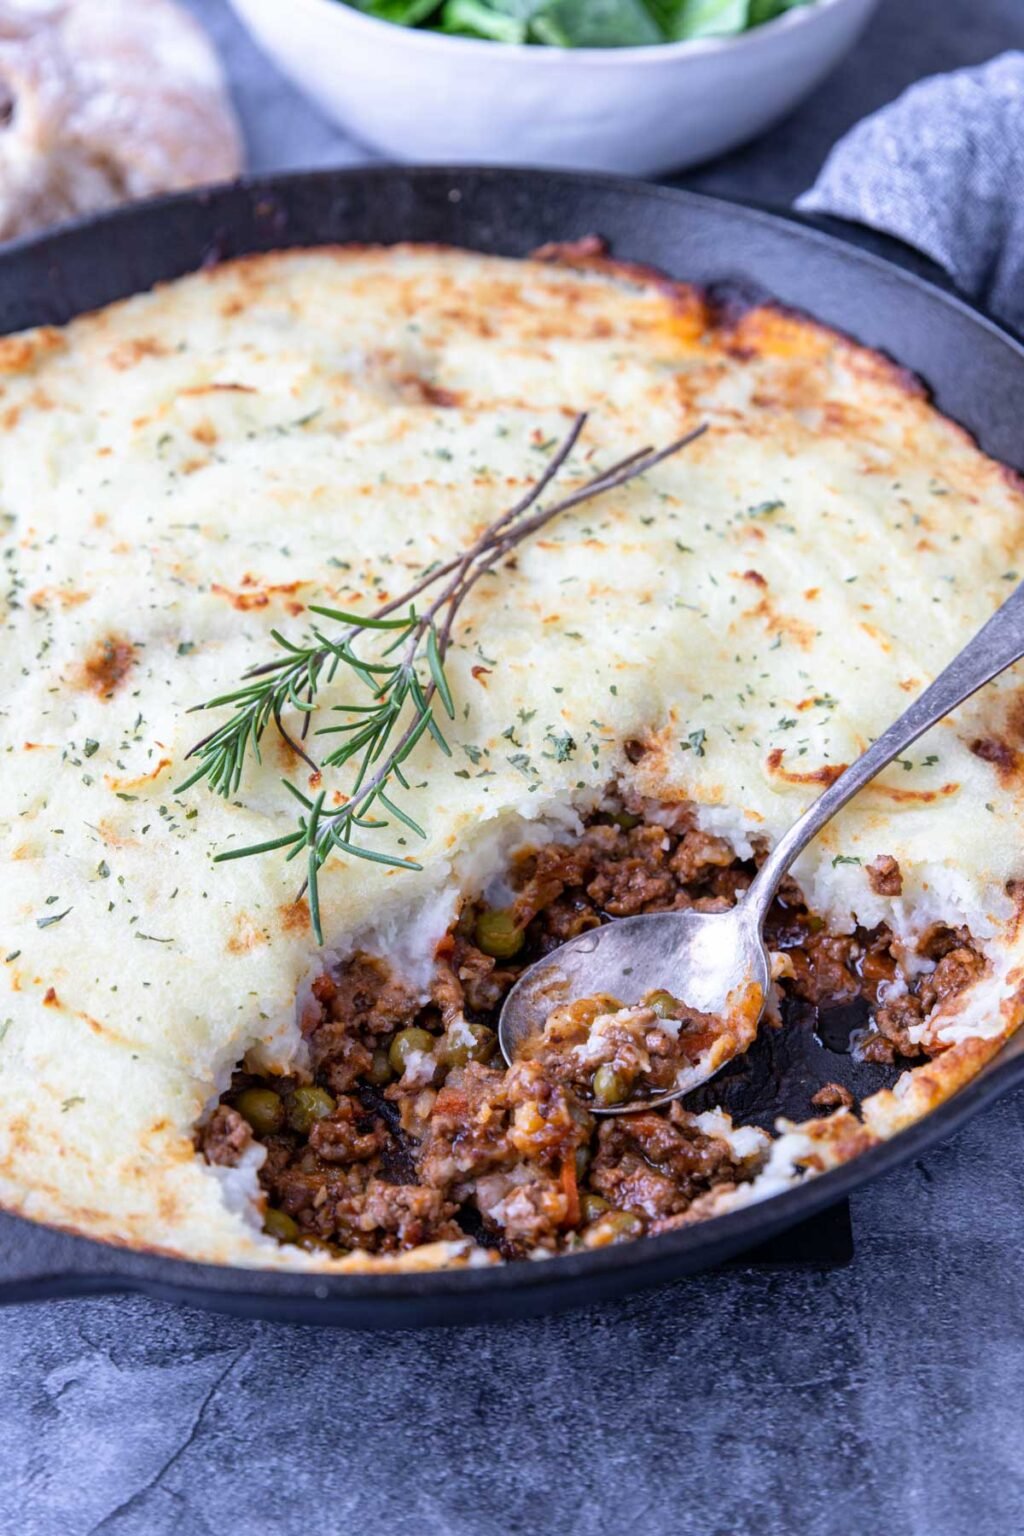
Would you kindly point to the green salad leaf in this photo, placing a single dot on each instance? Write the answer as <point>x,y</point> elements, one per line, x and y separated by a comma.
<point>580,23</point>
<point>767,10</point>
<point>499,21</point>
<point>404,13</point>
<point>596,24</point>
<point>705,18</point>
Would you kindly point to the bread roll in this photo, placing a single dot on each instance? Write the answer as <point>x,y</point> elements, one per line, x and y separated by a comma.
<point>102,101</point>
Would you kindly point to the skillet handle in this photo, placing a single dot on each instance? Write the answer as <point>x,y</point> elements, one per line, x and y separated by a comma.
<point>39,1263</point>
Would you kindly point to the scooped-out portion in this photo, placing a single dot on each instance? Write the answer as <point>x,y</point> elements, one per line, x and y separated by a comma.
<point>409,1127</point>
<point>617,1055</point>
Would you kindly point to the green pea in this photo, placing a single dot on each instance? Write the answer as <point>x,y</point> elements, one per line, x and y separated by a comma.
<point>622,1224</point>
<point>610,1086</point>
<point>626,820</point>
<point>664,1004</point>
<point>592,1206</point>
<point>481,1045</point>
<point>498,935</point>
<point>309,1242</point>
<point>379,1071</point>
<point>263,1108</point>
<point>582,1161</point>
<point>405,1043</point>
<point>280,1225</point>
<point>308,1105</point>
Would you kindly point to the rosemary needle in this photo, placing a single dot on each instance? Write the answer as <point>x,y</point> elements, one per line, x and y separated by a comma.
<point>405,689</point>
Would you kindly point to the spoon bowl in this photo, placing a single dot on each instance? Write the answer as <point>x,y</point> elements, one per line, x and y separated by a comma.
<point>705,958</point>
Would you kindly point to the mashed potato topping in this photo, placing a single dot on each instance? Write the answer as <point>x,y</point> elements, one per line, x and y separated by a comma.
<point>189,469</point>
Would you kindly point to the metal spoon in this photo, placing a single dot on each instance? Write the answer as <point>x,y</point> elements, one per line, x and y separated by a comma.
<point>706,958</point>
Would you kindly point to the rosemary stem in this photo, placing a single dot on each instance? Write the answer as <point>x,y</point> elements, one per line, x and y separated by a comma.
<point>422,642</point>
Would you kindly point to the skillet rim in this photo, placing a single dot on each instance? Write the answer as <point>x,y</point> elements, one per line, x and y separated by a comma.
<point>264,188</point>
<point>566,1280</point>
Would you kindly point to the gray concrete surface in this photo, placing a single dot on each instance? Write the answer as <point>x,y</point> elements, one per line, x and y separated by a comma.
<point>884,1398</point>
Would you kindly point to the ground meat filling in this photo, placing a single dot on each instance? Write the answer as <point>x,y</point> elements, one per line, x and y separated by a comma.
<point>226,1136</point>
<point>413,1130</point>
<point>656,1165</point>
<point>885,876</point>
<point>610,1054</point>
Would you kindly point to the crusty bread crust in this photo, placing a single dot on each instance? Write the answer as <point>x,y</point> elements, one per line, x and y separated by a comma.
<point>104,101</point>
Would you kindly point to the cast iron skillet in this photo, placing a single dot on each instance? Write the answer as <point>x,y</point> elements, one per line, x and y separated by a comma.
<point>976,372</point>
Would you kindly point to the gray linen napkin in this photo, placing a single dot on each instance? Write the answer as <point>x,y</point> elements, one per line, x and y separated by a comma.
<point>942,169</point>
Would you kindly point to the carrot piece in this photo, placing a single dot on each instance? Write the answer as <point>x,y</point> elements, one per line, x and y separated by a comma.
<point>572,1191</point>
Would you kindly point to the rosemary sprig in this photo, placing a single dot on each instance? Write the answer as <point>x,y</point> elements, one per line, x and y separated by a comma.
<point>409,687</point>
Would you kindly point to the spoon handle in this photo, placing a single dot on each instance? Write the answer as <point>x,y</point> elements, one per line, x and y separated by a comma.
<point>996,646</point>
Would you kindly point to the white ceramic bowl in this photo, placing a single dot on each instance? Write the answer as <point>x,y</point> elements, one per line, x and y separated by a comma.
<point>644,111</point>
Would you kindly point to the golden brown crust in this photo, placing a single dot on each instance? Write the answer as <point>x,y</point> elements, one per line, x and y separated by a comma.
<point>725,561</point>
